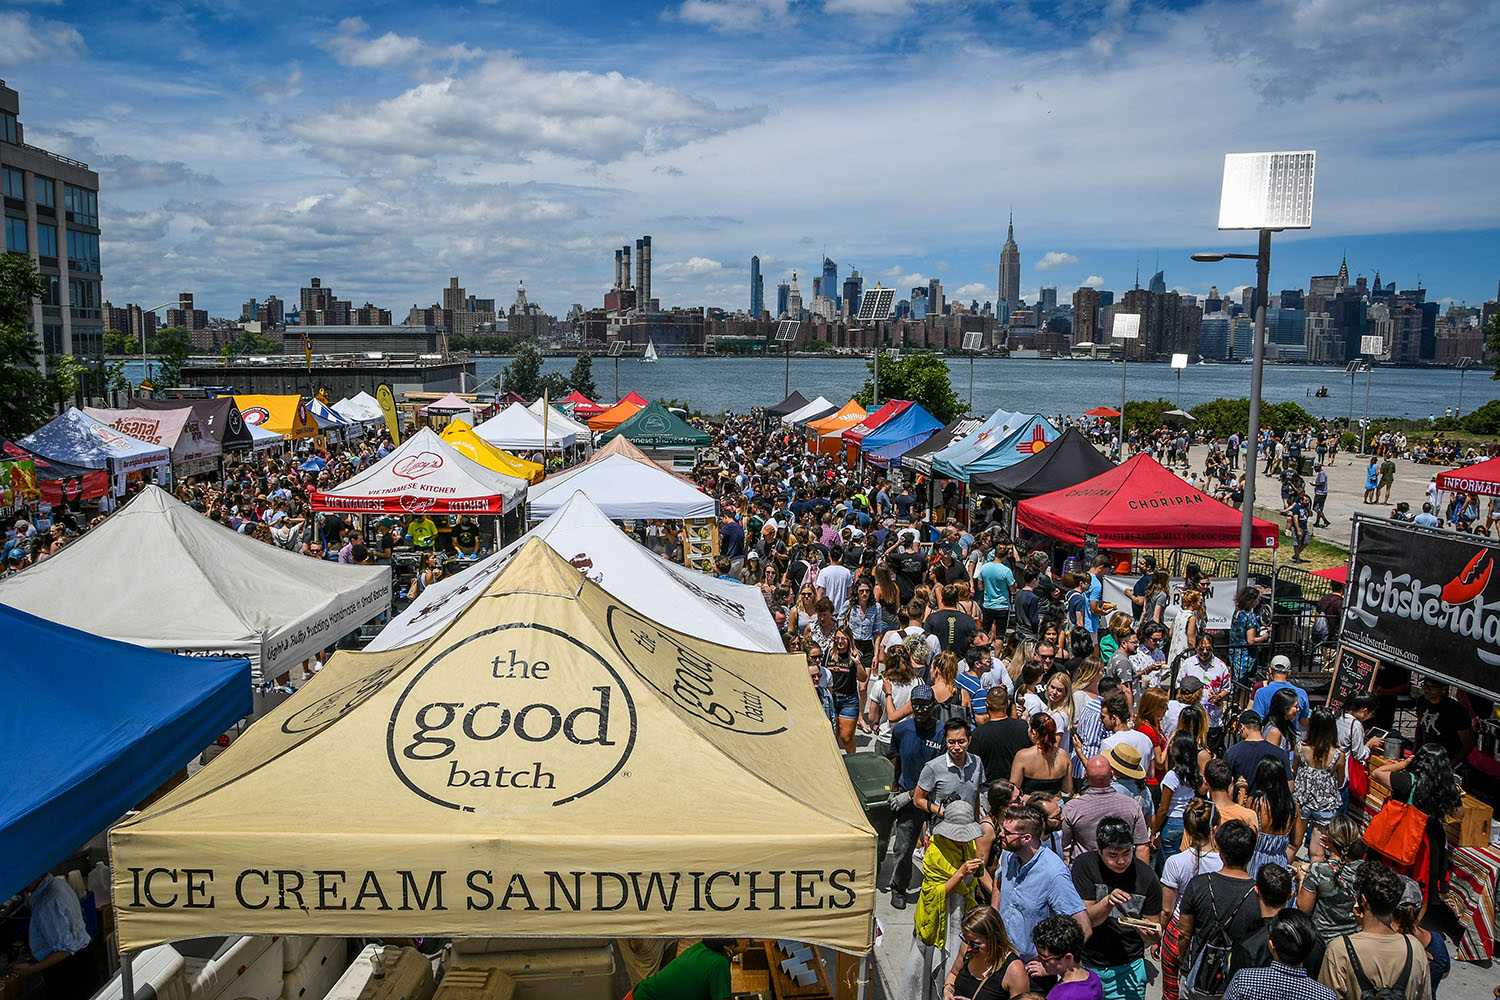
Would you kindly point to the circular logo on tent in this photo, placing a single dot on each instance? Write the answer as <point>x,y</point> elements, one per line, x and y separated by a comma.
<point>255,415</point>
<point>236,422</point>
<point>336,703</point>
<point>416,466</point>
<point>521,716</point>
<point>694,683</point>
<point>417,505</point>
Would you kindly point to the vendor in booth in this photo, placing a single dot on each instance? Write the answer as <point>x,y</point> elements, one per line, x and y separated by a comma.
<point>59,940</point>
<point>422,530</point>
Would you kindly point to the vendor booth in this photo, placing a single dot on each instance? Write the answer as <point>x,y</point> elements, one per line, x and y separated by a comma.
<point>854,436</point>
<point>333,424</point>
<point>919,459</point>
<point>557,417</point>
<point>263,439</point>
<point>624,489</point>
<point>159,574</point>
<point>1068,461</point>
<point>791,404</point>
<point>220,419</point>
<point>58,481</point>
<point>483,783</point>
<point>89,727</point>
<point>721,611</point>
<point>1481,479</point>
<point>424,475</point>
<point>75,438</point>
<point>286,415</point>
<point>194,451</point>
<point>662,435</point>
<point>462,437</point>
<point>899,435</point>
<point>518,429</point>
<point>622,446</point>
<point>362,407</point>
<point>1140,504</point>
<point>581,406</point>
<point>815,410</point>
<point>827,432</point>
<point>452,405</point>
<point>618,414</point>
<point>1002,441</point>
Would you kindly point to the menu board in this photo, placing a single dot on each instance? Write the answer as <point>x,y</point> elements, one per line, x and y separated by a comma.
<point>700,544</point>
<point>1353,675</point>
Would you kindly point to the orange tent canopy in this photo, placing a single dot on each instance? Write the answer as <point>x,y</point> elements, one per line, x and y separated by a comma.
<point>851,414</point>
<point>618,414</point>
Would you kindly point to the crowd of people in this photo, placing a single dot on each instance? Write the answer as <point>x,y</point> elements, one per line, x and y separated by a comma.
<point>1079,786</point>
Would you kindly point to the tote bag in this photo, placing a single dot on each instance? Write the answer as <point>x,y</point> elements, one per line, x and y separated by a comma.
<point>1397,831</point>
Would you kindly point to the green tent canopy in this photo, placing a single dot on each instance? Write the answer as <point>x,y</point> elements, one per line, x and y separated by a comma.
<point>655,426</point>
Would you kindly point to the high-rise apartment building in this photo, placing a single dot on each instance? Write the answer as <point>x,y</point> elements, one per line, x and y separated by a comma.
<point>1085,315</point>
<point>854,290</point>
<point>919,303</point>
<point>321,308</point>
<point>194,321</point>
<point>757,289</point>
<point>935,303</point>
<point>52,215</point>
<point>1009,286</point>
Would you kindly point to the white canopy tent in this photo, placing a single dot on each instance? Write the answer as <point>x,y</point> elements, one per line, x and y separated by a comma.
<point>362,407</point>
<point>332,420</point>
<point>158,574</point>
<point>424,474</point>
<point>264,439</point>
<point>623,489</point>
<point>817,408</point>
<point>720,611</point>
<point>556,417</point>
<point>516,428</point>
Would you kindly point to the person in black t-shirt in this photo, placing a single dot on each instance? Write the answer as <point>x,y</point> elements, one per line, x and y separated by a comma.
<point>1114,883</point>
<point>908,565</point>
<point>1245,756</point>
<point>1225,897</point>
<point>953,629</point>
<point>997,742</point>
<point>1441,719</point>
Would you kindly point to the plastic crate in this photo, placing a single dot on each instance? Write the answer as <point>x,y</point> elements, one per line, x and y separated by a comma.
<point>576,973</point>
<point>319,969</point>
<point>477,984</point>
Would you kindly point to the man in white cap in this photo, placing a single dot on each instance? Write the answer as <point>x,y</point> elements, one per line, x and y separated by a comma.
<point>1281,671</point>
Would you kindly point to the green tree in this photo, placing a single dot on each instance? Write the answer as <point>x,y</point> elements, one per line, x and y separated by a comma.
<point>1485,420</point>
<point>523,375</point>
<point>116,342</point>
<point>24,399</point>
<point>115,381</point>
<point>173,348</point>
<point>1223,417</point>
<point>1147,416</point>
<point>922,378</point>
<point>66,378</point>
<point>581,378</point>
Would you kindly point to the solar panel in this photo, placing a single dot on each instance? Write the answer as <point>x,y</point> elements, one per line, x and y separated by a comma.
<point>1267,190</point>
<point>974,341</point>
<point>786,330</point>
<point>1371,344</point>
<point>876,305</point>
<point>617,348</point>
<point>1127,326</point>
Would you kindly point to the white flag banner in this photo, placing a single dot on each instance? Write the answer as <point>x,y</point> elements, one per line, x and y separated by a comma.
<point>1218,597</point>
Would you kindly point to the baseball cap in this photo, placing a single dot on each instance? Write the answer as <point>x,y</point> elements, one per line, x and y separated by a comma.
<point>1250,717</point>
<point>922,693</point>
<point>1190,683</point>
<point>1281,662</point>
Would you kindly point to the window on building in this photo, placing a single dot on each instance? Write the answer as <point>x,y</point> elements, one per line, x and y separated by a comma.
<point>46,239</point>
<point>15,183</point>
<point>83,294</point>
<point>50,296</point>
<point>15,235</point>
<point>10,130</point>
<point>46,190</point>
<point>82,205</point>
<point>83,252</point>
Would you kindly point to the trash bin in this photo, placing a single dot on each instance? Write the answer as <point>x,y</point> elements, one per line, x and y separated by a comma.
<point>872,776</point>
<point>1305,466</point>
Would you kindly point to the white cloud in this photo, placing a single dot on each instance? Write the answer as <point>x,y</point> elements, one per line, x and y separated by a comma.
<point>735,16</point>
<point>973,290</point>
<point>28,41</point>
<point>692,267</point>
<point>1054,259</point>
<point>350,47</point>
<point>1093,281</point>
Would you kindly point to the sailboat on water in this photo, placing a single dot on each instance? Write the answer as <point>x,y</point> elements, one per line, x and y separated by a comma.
<point>650,357</point>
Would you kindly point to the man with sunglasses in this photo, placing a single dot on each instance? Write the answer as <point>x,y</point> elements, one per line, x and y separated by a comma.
<point>1034,883</point>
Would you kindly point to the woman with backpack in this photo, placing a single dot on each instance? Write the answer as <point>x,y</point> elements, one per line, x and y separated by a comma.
<point>1319,791</point>
<point>1199,855</point>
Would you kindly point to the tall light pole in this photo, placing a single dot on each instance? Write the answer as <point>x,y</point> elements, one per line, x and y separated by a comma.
<point>145,370</point>
<point>786,332</point>
<point>1127,327</point>
<point>1179,361</point>
<point>972,343</point>
<point>1267,192</point>
<point>1464,364</point>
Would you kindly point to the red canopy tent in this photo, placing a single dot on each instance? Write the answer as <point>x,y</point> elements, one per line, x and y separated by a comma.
<point>854,435</point>
<point>583,407</point>
<point>1140,504</point>
<point>1482,479</point>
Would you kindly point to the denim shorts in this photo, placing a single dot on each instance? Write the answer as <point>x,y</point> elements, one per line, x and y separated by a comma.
<point>846,706</point>
<point>1318,817</point>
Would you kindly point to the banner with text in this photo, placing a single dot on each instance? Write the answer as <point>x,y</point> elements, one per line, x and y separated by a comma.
<point>1218,597</point>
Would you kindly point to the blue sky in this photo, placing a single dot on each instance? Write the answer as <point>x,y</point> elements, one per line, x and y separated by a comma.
<point>243,147</point>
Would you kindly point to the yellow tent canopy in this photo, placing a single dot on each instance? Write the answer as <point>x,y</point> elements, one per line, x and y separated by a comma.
<point>461,436</point>
<point>285,415</point>
<point>550,764</point>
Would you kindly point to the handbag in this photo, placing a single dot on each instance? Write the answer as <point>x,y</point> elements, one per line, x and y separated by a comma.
<point>1397,831</point>
<point>1359,779</point>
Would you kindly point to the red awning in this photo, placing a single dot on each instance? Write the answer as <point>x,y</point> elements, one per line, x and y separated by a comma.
<point>1338,574</point>
<point>1482,479</point>
<point>857,433</point>
<point>1140,504</point>
<point>1101,411</point>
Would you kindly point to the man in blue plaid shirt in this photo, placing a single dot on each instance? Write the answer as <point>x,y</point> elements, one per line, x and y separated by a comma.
<point>1292,938</point>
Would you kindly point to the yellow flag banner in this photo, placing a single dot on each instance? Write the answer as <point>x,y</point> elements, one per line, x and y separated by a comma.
<point>387,402</point>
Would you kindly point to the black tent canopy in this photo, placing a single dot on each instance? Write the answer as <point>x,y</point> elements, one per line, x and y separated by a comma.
<point>1068,461</point>
<point>219,417</point>
<point>791,404</point>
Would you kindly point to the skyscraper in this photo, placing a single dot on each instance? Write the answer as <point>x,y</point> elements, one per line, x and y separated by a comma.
<point>1010,269</point>
<point>794,300</point>
<point>1158,284</point>
<point>757,289</point>
<point>783,297</point>
<point>934,296</point>
<point>854,287</point>
<point>830,283</point>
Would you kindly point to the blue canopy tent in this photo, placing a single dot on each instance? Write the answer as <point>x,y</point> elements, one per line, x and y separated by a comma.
<point>998,444</point>
<point>89,727</point>
<point>900,434</point>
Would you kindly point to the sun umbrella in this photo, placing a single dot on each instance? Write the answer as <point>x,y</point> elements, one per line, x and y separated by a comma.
<point>1101,411</point>
<point>314,464</point>
<point>1179,417</point>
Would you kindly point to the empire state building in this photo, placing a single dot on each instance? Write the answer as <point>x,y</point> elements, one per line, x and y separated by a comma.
<point>1009,287</point>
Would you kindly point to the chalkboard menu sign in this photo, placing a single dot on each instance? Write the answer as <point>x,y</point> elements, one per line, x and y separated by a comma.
<point>1352,675</point>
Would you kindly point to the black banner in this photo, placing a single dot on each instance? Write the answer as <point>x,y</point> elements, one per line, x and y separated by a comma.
<point>1428,601</point>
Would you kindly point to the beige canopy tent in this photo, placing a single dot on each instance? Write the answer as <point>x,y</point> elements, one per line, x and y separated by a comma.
<point>550,764</point>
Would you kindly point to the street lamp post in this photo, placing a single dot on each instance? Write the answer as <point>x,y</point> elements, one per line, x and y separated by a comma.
<point>1464,364</point>
<point>145,365</point>
<point>1127,327</point>
<point>1179,361</point>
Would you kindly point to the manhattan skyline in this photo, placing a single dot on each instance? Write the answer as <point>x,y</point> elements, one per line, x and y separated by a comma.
<point>387,149</point>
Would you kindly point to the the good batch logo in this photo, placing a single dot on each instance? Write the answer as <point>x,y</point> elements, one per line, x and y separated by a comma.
<point>517,717</point>
<point>693,681</point>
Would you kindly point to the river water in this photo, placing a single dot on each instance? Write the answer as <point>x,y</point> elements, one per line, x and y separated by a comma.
<point>714,385</point>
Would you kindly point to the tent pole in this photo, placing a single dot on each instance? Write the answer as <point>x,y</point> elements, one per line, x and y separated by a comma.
<point>127,976</point>
<point>862,983</point>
